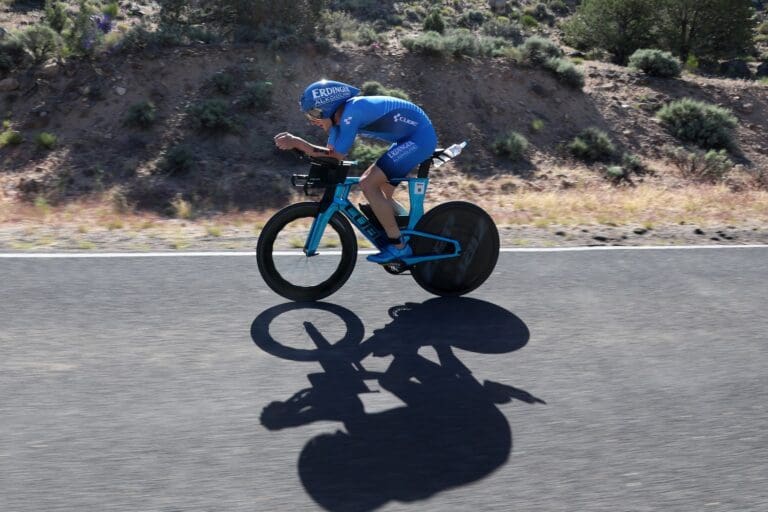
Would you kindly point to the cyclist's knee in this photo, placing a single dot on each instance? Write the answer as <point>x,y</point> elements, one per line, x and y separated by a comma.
<point>373,179</point>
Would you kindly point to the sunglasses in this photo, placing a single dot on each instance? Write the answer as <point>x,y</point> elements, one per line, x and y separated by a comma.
<point>314,114</point>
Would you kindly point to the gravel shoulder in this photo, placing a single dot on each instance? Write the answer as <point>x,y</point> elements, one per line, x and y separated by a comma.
<point>175,235</point>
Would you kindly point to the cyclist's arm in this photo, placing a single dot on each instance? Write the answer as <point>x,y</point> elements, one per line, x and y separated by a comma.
<point>321,151</point>
<point>288,141</point>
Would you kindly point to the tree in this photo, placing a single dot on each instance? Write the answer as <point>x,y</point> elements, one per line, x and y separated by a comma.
<point>706,28</point>
<point>618,26</point>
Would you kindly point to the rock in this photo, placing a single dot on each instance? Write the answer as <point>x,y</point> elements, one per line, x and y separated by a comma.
<point>497,5</point>
<point>8,85</point>
<point>121,91</point>
<point>610,86</point>
<point>762,70</point>
<point>600,238</point>
<point>698,231</point>
<point>747,108</point>
<point>577,55</point>
<point>49,70</point>
<point>640,231</point>
<point>538,89</point>
<point>735,68</point>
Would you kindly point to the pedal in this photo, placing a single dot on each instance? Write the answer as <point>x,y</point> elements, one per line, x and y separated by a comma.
<point>396,267</point>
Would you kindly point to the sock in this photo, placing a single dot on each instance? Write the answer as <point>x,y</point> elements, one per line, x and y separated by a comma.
<point>396,241</point>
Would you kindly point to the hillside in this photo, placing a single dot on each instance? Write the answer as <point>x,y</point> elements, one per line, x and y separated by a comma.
<point>100,161</point>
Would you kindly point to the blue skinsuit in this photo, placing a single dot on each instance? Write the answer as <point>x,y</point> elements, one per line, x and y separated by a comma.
<point>392,120</point>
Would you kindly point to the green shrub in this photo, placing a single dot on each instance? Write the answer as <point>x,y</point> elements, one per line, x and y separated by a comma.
<point>692,63</point>
<point>56,15</point>
<point>141,115</point>
<point>9,137</point>
<point>710,166</point>
<point>428,43</point>
<point>763,28</point>
<point>366,36</point>
<point>112,10</point>
<point>365,153</point>
<point>655,63</point>
<point>267,20</point>
<point>457,43</point>
<point>178,160</point>
<point>46,140</point>
<point>618,26</point>
<point>434,22</point>
<point>597,54</point>
<point>615,172</point>
<point>707,126</point>
<point>339,25</point>
<point>528,21</point>
<point>511,145</point>
<point>463,42</point>
<point>415,13</point>
<point>376,89</point>
<point>541,13</point>
<point>12,54</point>
<point>224,83</point>
<point>41,42</point>
<point>258,95</point>
<point>633,164</point>
<point>592,145</point>
<point>537,125</point>
<point>471,19</point>
<point>558,7</point>
<point>202,35</point>
<point>504,28</point>
<point>538,50</point>
<point>565,72</point>
<point>212,115</point>
<point>82,37</point>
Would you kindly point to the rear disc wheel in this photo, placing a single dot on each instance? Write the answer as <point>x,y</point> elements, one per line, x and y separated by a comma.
<point>478,236</point>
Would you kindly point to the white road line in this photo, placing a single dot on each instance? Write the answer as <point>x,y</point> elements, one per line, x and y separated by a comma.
<point>54,255</point>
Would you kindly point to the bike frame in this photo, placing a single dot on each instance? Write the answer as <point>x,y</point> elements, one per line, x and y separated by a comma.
<point>336,199</point>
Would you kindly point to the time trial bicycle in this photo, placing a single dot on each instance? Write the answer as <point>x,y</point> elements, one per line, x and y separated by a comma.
<point>455,244</point>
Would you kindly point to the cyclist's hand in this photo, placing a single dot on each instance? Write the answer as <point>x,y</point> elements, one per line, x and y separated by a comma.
<point>286,141</point>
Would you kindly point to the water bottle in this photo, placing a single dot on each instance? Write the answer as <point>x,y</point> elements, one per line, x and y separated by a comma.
<point>448,154</point>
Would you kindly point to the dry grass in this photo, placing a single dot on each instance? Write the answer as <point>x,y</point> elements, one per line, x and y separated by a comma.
<point>42,224</point>
<point>702,204</point>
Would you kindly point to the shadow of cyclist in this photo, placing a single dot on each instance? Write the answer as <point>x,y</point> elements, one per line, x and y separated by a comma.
<point>449,433</point>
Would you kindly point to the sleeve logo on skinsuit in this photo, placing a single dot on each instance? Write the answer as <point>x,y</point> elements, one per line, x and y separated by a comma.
<point>399,118</point>
<point>348,120</point>
<point>330,94</point>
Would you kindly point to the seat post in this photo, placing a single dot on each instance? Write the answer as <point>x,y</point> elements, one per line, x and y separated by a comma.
<point>424,168</point>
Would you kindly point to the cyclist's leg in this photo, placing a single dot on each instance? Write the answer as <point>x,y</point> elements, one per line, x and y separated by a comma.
<point>375,186</point>
<point>394,164</point>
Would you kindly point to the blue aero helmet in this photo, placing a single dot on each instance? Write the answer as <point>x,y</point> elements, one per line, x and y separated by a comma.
<point>321,99</point>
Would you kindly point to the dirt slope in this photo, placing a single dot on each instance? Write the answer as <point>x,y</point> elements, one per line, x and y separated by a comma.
<point>85,104</point>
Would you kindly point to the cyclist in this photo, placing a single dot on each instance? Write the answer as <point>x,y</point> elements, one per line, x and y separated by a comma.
<point>336,108</point>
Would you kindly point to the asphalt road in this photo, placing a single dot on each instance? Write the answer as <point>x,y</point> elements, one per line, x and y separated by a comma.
<point>589,381</point>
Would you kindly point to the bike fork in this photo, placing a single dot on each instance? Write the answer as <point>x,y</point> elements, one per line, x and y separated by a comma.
<point>327,208</point>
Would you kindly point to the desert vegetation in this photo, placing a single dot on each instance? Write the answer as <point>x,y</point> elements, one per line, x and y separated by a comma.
<point>178,100</point>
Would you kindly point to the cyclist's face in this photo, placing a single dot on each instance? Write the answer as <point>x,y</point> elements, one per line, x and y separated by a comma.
<point>325,124</point>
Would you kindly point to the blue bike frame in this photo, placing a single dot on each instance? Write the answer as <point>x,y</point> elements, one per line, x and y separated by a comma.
<point>417,189</point>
